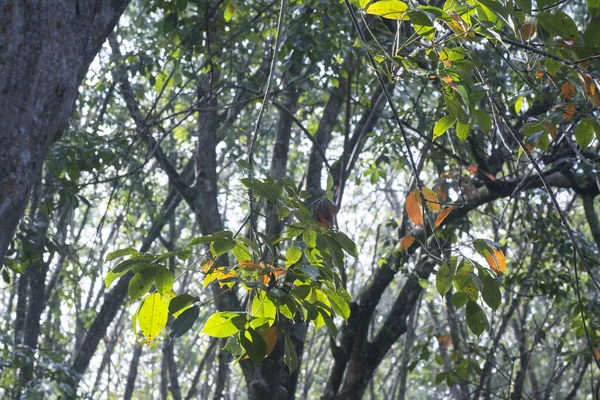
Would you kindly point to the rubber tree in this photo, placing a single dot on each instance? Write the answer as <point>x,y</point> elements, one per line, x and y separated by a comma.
<point>46,48</point>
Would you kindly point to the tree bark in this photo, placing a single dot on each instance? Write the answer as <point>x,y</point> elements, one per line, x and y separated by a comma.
<point>46,47</point>
<point>132,375</point>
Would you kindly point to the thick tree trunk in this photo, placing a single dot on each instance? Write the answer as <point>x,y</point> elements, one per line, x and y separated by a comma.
<point>46,47</point>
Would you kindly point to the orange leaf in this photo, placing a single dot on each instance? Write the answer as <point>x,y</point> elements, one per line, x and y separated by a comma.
<point>490,176</point>
<point>413,208</point>
<point>528,30</point>
<point>550,129</point>
<point>442,191</point>
<point>496,260</point>
<point>270,337</point>
<point>325,213</point>
<point>442,215</point>
<point>569,111</point>
<point>206,265</point>
<point>567,43</point>
<point>567,90</point>
<point>540,73</point>
<point>472,168</point>
<point>407,241</point>
<point>223,275</point>
<point>445,340</point>
<point>272,276</point>
<point>596,354</point>
<point>250,264</point>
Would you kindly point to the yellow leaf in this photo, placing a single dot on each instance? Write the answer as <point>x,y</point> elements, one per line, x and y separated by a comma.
<point>206,265</point>
<point>407,241</point>
<point>443,215</point>
<point>391,9</point>
<point>433,203</point>
<point>223,275</point>
<point>153,316</point>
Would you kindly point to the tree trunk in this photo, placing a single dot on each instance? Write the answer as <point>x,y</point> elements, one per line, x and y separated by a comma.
<point>46,47</point>
<point>132,375</point>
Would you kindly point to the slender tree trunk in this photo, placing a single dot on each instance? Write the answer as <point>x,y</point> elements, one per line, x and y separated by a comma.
<point>132,374</point>
<point>114,299</point>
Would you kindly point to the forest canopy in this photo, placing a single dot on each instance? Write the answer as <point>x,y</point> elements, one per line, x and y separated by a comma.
<point>285,199</point>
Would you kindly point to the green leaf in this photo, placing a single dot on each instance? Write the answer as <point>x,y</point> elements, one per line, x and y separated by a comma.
<point>6,276</point>
<point>584,133</point>
<point>483,120</point>
<point>459,299</point>
<point>141,283</point>
<point>139,261</point>
<point>163,280</point>
<point>463,131</point>
<point>263,306</point>
<point>170,22</point>
<point>292,255</point>
<point>201,240</point>
<point>391,9</point>
<point>524,5</point>
<point>254,344</point>
<point>338,303</point>
<point>490,292</point>
<point>290,358</point>
<point>134,319</point>
<point>121,253</point>
<point>552,66</point>
<point>309,237</point>
<point>593,7</point>
<point>153,316</point>
<point>221,246</point>
<point>184,322</point>
<point>335,250</point>
<point>558,23</point>
<point>233,346</point>
<point>329,182</point>
<point>476,318</point>
<point>445,276</point>
<point>224,324</point>
<point>240,251</point>
<point>346,243</point>
<point>456,107</point>
<point>180,303</point>
<point>591,36</point>
<point>268,191</point>
<point>463,280</point>
<point>442,125</point>
<point>422,23</point>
